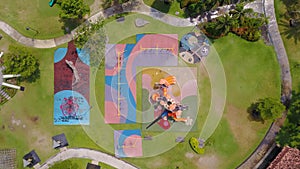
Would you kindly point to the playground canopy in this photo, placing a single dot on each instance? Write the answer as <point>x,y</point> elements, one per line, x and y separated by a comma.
<point>31,159</point>
<point>92,166</point>
<point>60,141</point>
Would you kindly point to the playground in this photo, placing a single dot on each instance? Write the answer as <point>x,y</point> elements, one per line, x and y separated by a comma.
<point>232,141</point>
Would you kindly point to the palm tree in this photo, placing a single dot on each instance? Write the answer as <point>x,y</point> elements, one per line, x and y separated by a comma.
<point>224,23</point>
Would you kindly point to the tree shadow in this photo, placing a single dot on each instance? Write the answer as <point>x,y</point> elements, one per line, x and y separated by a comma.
<point>290,32</point>
<point>162,5</point>
<point>70,24</point>
<point>254,115</point>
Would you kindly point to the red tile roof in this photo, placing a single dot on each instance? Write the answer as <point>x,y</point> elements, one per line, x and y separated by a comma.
<point>288,158</point>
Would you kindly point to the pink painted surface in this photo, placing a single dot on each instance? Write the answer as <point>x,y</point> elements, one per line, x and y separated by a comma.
<point>149,41</point>
<point>119,48</point>
<point>146,82</point>
<point>190,88</point>
<point>132,146</point>
<point>111,113</point>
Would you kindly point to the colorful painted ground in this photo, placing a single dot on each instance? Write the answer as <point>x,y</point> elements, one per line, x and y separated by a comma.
<point>185,91</point>
<point>121,62</point>
<point>71,87</point>
<point>128,143</point>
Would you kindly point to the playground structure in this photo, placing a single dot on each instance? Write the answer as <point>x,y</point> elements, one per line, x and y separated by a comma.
<point>52,2</point>
<point>193,47</point>
<point>172,110</point>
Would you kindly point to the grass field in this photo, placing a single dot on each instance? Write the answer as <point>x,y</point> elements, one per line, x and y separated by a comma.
<point>251,70</point>
<point>35,14</point>
<point>291,42</point>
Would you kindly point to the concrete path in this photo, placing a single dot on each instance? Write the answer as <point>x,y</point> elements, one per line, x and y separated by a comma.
<point>132,6</point>
<point>256,5</point>
<point>286,79</point>
<point>286,86</point>
<point>93,155</point>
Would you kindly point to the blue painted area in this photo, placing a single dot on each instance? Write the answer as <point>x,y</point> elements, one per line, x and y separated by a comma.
<point>59,54</point>
<point>81,117</point>
<point>123,135</point>
<point>184,42</point>
<point>128,50</point>
<point>84,56</point>
<point>139,37</point>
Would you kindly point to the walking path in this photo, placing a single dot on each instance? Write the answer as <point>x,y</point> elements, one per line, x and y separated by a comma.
<point>286,86</point>
<point>132,6</point>
<point>93,155</point>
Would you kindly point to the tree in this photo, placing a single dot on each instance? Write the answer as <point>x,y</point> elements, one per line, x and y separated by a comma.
<point>224,24</point>
<point>73,9</point>
<point>289,134</point>
<point>267,109</point>
<point>20,61</point>
<point>91,38</point>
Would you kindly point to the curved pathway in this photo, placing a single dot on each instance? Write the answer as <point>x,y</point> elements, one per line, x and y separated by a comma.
<point>87,154</point>
<point>286,87</point>
<point>132,6</point>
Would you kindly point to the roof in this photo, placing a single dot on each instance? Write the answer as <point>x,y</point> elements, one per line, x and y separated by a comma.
<point>60,141</point>
<point>287,158</point>
<point>92,166</point>
<point>31,159</point>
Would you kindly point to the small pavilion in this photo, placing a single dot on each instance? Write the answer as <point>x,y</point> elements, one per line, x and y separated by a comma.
<point>59,141</point>
<point>31,159</point>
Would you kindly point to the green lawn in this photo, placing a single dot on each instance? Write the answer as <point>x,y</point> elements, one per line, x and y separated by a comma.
<point>35,14</point>
<point>166,8</point>
<point>251,72</point>
<point>291,43</point>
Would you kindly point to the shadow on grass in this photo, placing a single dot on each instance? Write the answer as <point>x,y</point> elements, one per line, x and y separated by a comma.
<point>290,32</point>
<point>70,24</point>
<point>162,5</point>
<point>254,115</point>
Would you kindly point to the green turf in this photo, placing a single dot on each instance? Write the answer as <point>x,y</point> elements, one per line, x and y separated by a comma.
<point>166,8</point>
<point>35,14</point>
<point>291,43</point>
<point>128,28</point>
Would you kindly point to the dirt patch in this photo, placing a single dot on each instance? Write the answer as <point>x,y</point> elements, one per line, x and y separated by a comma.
<point>34,119</point>
<point>208,161</point>
<point>156,163</point>
<point>40,140</point>
<point>242,128</point>
<point>189,155</point>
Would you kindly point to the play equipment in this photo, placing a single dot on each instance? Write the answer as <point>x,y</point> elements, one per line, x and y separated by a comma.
<point>52,2</point>
<point>197,145</point>
<point>171,109</point>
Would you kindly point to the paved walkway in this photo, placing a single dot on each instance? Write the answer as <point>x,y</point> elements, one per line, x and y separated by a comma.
<point>132,6</point>
<point>286,86</point>
<point>87,154</point>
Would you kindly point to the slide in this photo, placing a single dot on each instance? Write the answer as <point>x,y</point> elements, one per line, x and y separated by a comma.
<point>52,2</point>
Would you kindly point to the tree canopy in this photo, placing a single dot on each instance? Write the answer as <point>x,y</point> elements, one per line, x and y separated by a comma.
<point>73,9</point>
<point>289,133</point>
<point>267,109</point>
<point>243,22</point>
<point>91,38</point>
<point>21,61</point>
